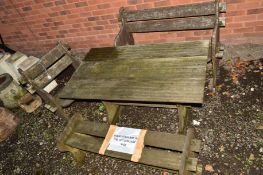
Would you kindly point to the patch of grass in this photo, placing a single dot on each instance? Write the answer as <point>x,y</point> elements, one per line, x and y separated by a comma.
<point>101,107</point>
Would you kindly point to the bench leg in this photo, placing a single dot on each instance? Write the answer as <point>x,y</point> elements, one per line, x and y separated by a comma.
<point>49,99</point>
<point>215,73</point>
<point>183,118</point>
<point>78,155</point>
<point>113,111</point>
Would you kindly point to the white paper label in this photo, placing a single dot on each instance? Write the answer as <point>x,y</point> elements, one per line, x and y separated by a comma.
<point>124,140</point>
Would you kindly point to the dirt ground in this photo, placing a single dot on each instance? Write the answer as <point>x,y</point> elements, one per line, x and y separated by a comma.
<point>226,123</point>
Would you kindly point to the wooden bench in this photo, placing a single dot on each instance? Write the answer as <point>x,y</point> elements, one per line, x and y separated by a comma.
<point>38,76</point>
<point>173,152</point>
<point>168,75</point>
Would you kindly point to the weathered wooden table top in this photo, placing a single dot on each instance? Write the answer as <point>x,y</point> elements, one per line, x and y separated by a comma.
<point>169,72</point>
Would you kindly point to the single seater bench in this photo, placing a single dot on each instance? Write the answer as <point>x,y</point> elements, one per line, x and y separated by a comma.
<point>157,75</point>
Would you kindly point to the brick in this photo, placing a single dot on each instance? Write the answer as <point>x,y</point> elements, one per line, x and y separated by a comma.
<point>63,31</point>
<point>49,4</point>
<point>253,34</point>
<point>162,3</point>
<point>114,21</point>
<point>28,8</point>
<point>76,25</point>
<point>236,13</point>
<point>255,11</point>
<point>60,2</point>
<point>81,4</point>
<point>93,18</point>
<point>58,23</point>
<point>235,25</point>
<point>46,24</point>
<point>48,19</point>
<point>69,6</point>
<point>60,36</point>
<point>259,28</point>
<point>132,2</point>
<point>98,28</point>
<point>64,12</point>
<point>247,5</point>
<point>42,34</point>
<point>254,23</point>
<point>106,17</point>
<point>53,14</point>
<point>245,18</point>
<point>103,6</point>
<point>144,6</point>
<point>243,30</point>
<point>98,12</point>
<point>235,1</point>
<point>102,22</point>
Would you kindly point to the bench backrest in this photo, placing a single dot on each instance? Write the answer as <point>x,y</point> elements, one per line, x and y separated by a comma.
<point>49,66</point>
<point>183,17</point>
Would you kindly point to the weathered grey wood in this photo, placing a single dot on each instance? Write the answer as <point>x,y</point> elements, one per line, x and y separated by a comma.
<point>148,80</point>
<point>113,111</point>
<point>152,138</point>
<point>158,105</point>
<point>163,50</point>
<point>52,101</point>
<point>49,99</point>
<point>124,37</point>
<point>154,157</point>
<point>47,60</point>
<point>183,118</point>
<point>78,155</point>
<point>200,23</point>
<point>186,151</point>
<point>190,10</point>
<point>215,45</point>
<point>42,80</point>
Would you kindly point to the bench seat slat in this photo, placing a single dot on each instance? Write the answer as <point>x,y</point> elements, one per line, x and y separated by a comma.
<point>153,157</point>
<point>152,138</point>
<point>164,50</point>
<point>189,10</point>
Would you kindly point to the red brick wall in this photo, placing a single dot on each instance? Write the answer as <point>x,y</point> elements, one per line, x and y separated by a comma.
<point>34,26</point>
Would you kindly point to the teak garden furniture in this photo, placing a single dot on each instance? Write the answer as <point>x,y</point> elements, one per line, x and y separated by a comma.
<point>37,77</point>
<point>168,75</point>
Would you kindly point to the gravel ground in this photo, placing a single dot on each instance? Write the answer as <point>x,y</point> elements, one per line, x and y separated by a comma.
<point>226,124</point>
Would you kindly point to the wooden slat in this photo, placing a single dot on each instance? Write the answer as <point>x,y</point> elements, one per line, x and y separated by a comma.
<point>190,10</point>
<point>196,23</point>
<point>164,50</point>
<point>47,60</point>
<point>155,157</point>
<point>53,71</point>
<point>149,80</point>
<point>159,105</point>
<point>186,151</point>
<point>152,138</point>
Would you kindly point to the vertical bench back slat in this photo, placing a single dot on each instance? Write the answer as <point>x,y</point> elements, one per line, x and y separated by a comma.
<point>191,10</point>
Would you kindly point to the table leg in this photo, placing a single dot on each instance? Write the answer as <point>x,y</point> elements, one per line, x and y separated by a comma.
<point>183,118</point>
<point>113,111</point>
